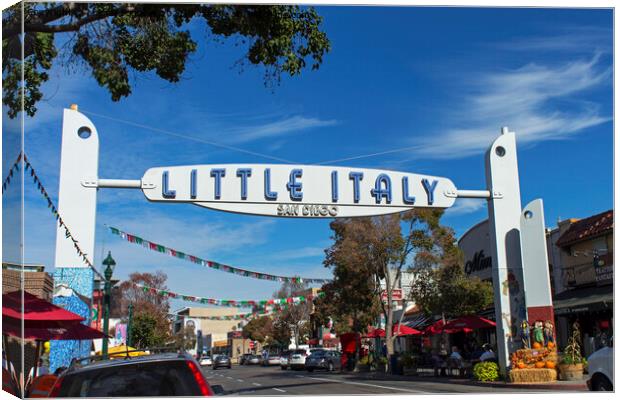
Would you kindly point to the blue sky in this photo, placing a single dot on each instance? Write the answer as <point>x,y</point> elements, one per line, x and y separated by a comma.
<point>439,82</point>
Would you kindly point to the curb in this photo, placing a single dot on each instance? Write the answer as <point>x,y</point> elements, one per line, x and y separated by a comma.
<point>556,386</point>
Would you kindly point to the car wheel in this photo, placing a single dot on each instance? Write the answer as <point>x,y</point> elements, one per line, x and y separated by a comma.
<point>330,367</point>
<point>283,367</point>
<point>602,384</point>
<point>229,367</point>
<point>310,369</point>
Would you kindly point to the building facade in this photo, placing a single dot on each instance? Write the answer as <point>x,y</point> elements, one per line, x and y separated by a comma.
<point>580,253</point>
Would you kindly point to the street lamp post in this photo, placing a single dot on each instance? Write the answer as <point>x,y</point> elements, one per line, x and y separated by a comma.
<point>129,324</point>
<point>107,273</point>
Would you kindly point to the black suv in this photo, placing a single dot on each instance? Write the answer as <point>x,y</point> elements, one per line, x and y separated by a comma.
<point>166,374</point>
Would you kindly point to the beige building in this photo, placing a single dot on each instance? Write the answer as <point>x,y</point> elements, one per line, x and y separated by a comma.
<point>214,332</point>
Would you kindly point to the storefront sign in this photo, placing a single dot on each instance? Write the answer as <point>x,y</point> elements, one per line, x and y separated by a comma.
<point>397,295</point>
<point>604,275</point>
<point>297,190</point>
<point>478,263</point>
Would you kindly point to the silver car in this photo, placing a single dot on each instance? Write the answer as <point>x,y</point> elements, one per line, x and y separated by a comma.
<point>325,359</point>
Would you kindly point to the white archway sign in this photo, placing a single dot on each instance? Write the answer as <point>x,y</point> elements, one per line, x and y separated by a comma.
<point>308,191</point>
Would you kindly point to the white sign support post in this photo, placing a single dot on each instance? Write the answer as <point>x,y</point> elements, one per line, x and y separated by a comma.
<point>504,228</point>
<point>310,191</point>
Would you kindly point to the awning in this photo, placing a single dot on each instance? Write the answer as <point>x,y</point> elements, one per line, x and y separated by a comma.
<point>220,343</point>
<point>34,309</point>
<point>584,300</point>
<point>438,327</point>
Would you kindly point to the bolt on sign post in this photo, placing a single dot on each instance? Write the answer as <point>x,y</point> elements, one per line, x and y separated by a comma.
<point>310,191</point>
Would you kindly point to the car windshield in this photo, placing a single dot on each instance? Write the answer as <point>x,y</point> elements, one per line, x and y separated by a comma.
<point>319,353</point>
<point>135,379</point>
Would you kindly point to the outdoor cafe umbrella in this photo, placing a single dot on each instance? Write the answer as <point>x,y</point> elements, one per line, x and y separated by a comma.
<point>469,322</point>
<point>376,333</point>
<point>34,310</point>
<point>404,330</point>
<point>42,321</point>
<point>440,327</point>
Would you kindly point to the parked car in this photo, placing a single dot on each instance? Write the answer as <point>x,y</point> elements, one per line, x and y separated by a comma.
<point>271,359</point>
<point>601,369</point>
<point>284,359</point>
<point>222,361</point>
<point>323,359</point>
<point>297,359</point>
<point>160,375</point>
<point>243,358</point>
<point>254,359</point>
<point>206,361</point>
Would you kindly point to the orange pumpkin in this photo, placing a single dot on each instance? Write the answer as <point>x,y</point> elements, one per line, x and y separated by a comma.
<point>550,364</point>
<point>550,345</point>
<point>537,345</point>
<point>520,365</point>
<point>540,364</point>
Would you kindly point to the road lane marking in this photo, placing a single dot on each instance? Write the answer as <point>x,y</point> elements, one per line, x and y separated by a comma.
<point>229,377</point>
<point>256,384</point>
<point>279,390</point>
<point>300,376</point>
<point>239,380</point>
<point>369,384</point>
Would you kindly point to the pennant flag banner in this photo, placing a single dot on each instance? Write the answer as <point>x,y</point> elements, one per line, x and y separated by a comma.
<point>14,168</point>
<point>207,263</point>
<point>54,211</point>
<point>235,317</point>
<point>229,303</point>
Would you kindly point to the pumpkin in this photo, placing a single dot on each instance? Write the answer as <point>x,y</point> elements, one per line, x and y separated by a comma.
<point>540,364</point>
<point>537,345</point>
<point>520,365</point>
<point>550,364</point>
<point>550,345</point>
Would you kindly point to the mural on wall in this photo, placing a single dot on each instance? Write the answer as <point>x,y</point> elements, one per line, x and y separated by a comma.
<point>120,334</point>
<point>73,290</point>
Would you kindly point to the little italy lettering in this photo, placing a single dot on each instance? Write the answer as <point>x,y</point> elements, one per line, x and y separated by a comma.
<point>297,191</point>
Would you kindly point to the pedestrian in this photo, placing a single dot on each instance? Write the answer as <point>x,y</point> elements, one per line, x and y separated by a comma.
<point>456,358</point>
<point>488,354</point>
<point>42,369</point>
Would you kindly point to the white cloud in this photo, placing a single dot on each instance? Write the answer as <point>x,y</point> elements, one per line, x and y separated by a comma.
<point>526,100</point>
<point>465,206</point>
<point>294,124</point>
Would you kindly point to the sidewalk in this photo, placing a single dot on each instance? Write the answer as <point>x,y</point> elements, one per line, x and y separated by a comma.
<point>574,386</point>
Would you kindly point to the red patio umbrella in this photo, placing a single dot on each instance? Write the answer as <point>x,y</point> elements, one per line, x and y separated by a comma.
<point>376,333</point>
<point>404,330</point>
<point>439,327</point>
<point>34,309</point>
<point>70,331</point>
<point>469,322</point>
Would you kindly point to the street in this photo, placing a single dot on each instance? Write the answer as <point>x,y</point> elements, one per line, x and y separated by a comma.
<point>273,381</point>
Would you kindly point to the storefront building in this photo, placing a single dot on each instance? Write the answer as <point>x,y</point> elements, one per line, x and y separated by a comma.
<point>580,253</point>
<point>584,282</point>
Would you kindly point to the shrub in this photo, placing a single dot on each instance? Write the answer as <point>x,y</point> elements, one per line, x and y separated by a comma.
<point>486,371</point>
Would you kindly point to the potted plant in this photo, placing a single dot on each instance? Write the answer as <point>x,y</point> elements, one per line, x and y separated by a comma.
<point>571,361</point>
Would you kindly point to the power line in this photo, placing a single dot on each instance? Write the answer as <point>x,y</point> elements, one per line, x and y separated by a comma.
<point>368,155</point>
<point>188,137</point>
<point>241,150</point>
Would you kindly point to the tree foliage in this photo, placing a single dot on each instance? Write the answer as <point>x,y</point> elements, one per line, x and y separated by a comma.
<point>258,329</point>
<point>185,338</point>
<point>440,286</point>
<point>113,39</point>
<point>146,332</point>
<point>149,310</point>
<point>294,318</point>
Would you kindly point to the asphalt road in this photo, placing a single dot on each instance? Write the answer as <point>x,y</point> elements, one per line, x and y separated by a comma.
<point>272,381</point>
